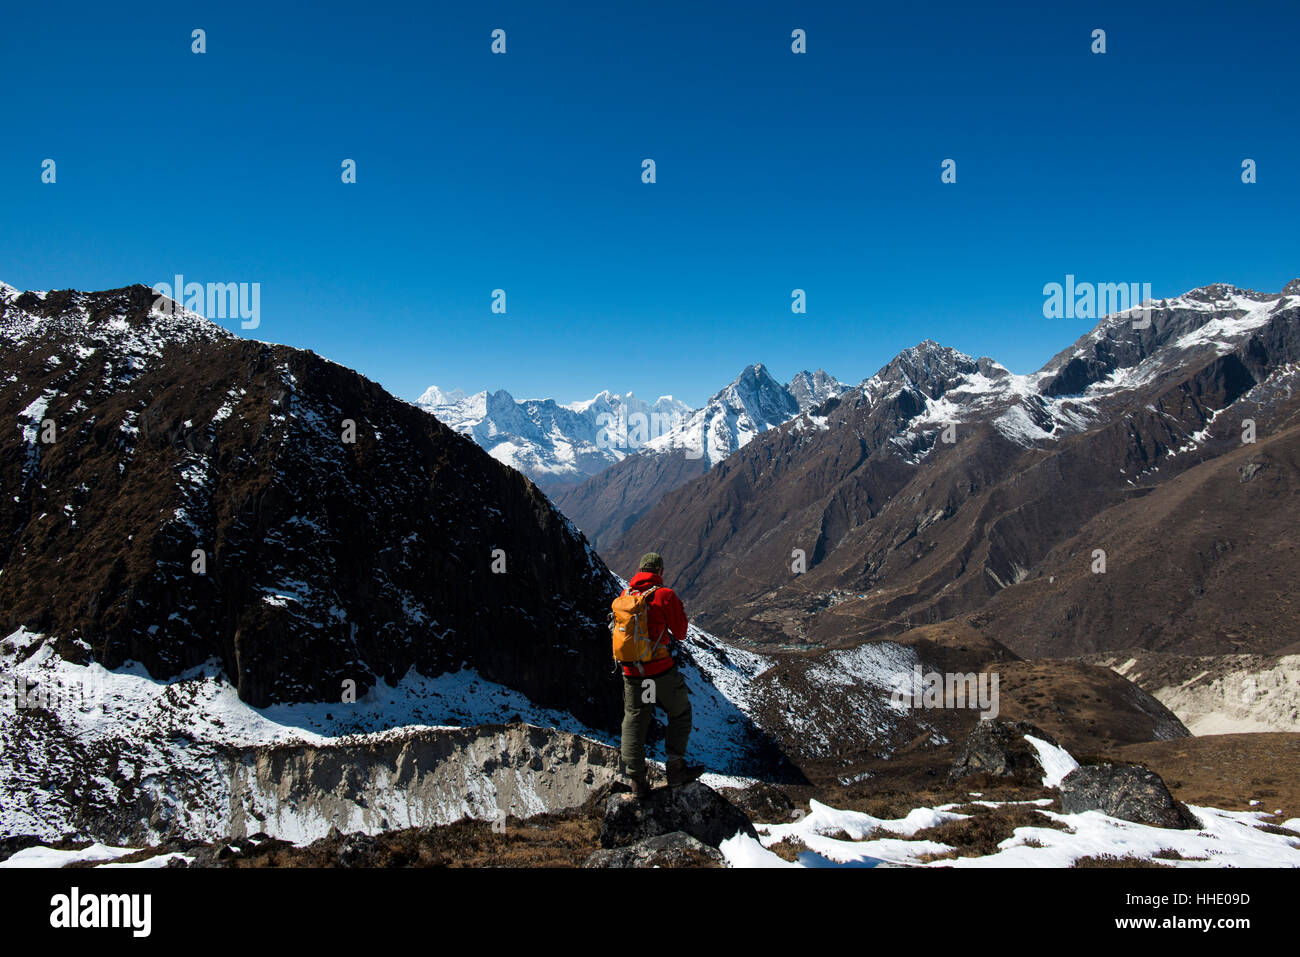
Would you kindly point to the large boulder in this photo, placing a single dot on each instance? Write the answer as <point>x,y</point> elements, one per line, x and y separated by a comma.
<point>695,808</point>
<point>677,849</point>
<point>1125,791</point>
<point>999,748</point>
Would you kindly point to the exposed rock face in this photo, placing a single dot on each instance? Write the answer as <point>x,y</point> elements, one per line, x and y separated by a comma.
<point>414,779</point>
<point>695,808</point>
<point>677,849</point>
<point>999,748</point>
<point>762,802</point>
<point>1124,791</point>
<point>1219,694</point>
<point>328,557</point>
<point>300,792</point>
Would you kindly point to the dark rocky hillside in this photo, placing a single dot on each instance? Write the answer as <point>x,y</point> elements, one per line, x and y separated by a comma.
<point>326,561</point>
<point>610,502</point>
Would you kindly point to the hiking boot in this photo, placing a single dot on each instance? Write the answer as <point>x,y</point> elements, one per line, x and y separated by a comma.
<point>679,772</point>
<point>640,784</point>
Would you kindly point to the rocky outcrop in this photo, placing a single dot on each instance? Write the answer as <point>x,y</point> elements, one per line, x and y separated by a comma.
<point>694,808</point>
<point>676,849</point>
<point>762,802</point>
<point>999,748</point>
<point>1125,791</point>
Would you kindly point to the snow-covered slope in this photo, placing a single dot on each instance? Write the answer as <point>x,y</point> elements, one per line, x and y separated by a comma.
<point>126,760</point>
<point>837,838</point>
<point>550,442</point>
<point>751,404</point>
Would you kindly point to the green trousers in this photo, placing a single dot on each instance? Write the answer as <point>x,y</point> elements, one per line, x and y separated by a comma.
<point>640,695</point>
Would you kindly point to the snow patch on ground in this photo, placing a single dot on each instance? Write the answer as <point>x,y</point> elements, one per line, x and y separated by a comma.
<point>49,857</point>
<point>1225,839</point>
<point>1057,762</point>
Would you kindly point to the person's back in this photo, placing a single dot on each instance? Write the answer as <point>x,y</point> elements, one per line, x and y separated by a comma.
<point>657,682</point>
<point>667,620</point>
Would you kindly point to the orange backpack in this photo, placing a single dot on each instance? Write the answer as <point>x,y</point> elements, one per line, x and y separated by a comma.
<point>630,625</point>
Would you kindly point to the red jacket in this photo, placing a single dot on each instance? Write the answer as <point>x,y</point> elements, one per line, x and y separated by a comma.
<point>665,612</point>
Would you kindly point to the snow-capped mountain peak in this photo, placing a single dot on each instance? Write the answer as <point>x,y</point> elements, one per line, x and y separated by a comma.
<point>928,367</point>
<point>551,442</point>
<point>811,389</point>
<point>1155,338</point>
<point>1125,354</point>
<point>751,403</point>
<point>433,397</point>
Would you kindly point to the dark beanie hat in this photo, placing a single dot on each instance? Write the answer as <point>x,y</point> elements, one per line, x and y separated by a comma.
<point>651,562</point>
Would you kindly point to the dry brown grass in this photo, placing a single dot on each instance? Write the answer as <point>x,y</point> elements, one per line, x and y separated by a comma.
<point>789,849</point>
<point>981,833</point>
<point>1110,860</point>
<point>1228,770</point>
<point>547,841</point>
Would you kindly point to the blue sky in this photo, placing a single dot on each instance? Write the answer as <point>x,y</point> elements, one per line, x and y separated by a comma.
<point>775,171</point>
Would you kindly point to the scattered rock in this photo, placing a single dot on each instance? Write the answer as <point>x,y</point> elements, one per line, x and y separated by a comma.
<point>355,848</point>
<point>695,808</point>
<point>227,852</point>
<point>999,748</point>
<point>675,849</point>
<point>601,794</point>
<point>1125,791</point>
<point>761,801</point>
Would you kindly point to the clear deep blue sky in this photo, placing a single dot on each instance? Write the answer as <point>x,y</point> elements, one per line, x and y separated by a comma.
<point>775,171</point>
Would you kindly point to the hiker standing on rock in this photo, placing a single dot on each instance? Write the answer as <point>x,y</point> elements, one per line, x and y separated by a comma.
<point>646,619</point>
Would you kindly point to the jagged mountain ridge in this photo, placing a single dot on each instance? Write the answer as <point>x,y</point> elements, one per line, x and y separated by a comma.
<point>608,503</point>
<point>900,527</point>
<point>326,561</point>
<point>559,445</point>
<point>555,444</point>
